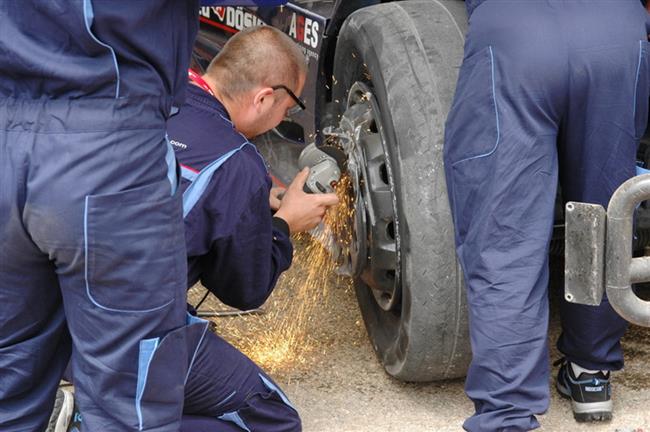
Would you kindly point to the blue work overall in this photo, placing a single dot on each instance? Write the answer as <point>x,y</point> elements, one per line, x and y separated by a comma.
<point>92,262</point>
<point>547,90</point>
<point>223,383</point>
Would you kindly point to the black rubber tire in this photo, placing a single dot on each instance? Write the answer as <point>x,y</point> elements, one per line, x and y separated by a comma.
<point>409,52</point>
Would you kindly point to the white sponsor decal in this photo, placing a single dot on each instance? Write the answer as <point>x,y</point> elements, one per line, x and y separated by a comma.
<point>594,389</point>
<point>234,17</point>
<point>180,145</point>
<point>304,30</point>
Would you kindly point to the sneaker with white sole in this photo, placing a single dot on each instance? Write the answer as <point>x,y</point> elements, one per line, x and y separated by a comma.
<point>590,393</point>
<point>62,412</point>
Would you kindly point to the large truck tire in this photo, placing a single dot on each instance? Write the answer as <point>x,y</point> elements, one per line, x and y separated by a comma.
<point>397,65</point>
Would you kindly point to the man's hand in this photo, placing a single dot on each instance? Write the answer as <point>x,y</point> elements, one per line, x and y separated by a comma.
<point>302,211</point>
<point>275,197</point>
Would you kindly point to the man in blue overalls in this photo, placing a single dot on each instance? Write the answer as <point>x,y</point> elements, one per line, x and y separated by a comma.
<point>235,247</point>
<point>547,90</point>
<point>92,260</point>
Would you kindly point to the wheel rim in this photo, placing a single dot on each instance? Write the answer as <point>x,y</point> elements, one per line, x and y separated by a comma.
<point>374,248</point>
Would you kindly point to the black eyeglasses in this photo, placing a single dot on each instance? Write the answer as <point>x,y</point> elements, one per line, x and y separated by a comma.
<point>300,105</point>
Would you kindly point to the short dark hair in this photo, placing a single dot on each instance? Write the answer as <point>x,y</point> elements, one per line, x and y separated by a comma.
<point>259,55</point>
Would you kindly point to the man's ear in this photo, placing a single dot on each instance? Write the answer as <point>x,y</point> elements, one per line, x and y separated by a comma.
<point>264,96</point>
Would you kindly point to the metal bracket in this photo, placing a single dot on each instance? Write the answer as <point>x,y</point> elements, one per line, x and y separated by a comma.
<point>584,246</point>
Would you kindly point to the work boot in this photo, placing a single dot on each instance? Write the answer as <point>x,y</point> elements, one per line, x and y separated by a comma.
<point>65,415</point>
<point>590,393</point>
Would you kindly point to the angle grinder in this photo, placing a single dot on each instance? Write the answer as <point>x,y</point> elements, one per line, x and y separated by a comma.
<point>325,166</point>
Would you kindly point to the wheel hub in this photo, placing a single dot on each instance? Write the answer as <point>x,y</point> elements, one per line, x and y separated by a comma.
<point>374,248</point>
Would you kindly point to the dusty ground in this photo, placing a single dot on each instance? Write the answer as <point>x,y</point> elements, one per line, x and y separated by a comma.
<point>331,373</point>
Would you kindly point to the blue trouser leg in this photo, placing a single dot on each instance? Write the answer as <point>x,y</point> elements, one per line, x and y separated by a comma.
<point>599,140</point>
<point>34,340</point>
<point>501,178</point>
<point>92,238</point>
<point>501,166</point>
<point>501,160</point>
<point>227,386</point>
<point>192,423</point>
<point>226,391</point>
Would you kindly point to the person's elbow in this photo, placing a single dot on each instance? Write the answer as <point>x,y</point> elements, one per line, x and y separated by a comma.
<point>255,302</point>
<point>247,301</point>
<point>237,297</point>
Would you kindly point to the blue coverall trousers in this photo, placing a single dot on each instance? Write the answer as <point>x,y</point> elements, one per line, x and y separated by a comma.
<point>92,257</point>
<point>91,234</point>
<point>547,90</point>
<point>227,392</point>
<point>108,269</point>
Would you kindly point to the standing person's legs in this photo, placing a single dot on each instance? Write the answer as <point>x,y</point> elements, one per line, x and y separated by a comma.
<point>501,165</point>
<point>99,205</point>
<point>607,115</point>
<point>226,385</point>
<point>34,340</point>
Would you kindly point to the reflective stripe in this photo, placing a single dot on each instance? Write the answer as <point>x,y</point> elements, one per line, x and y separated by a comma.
<point>191,319</point>
<point>188,174</point>
<point>641,170</point>
<point>89,16</point>
<point>200,183</point>
<point>636,80</point>
<point>269,385</point>
<point>234,418</point>
<point>170,159</point>
<point>230,396</point>
<point>147,349</point>
<point>242,135</point>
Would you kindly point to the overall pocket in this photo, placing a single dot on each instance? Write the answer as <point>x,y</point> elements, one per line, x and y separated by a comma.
<point>471,137</point>
<point>472,129</point>
<point>134,248</point>
<point>163,365</point>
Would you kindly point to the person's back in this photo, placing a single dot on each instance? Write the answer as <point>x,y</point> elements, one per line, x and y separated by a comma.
<point>234,247</point>
<point>100,49</point>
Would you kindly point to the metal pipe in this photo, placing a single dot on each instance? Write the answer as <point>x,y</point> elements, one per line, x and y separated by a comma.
<point>621,269</point>
<point>640,270</point>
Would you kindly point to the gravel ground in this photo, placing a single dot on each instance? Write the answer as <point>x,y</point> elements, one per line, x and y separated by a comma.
<point>335,380</point>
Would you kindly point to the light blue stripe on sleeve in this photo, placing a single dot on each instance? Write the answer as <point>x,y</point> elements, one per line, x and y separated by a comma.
<point>197,188</point>
<point>188,174</point>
